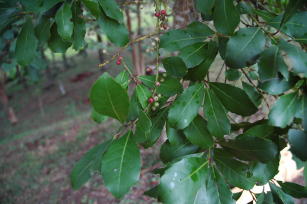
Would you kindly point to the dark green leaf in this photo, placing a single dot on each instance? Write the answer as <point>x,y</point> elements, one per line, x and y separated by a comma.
<point>280,196</point>
<point>186,107</point>
<point>244,48</point>
<point>175,137</point>
<point>277,86</point>
<point>284,110</point>
<point>294,189</point>
<point>198,134</point>
<point>218,123</point>
<point>264,172</point>
<point>252,93</point>
<point>265,198</point>
<point>234,99</point>
<point>90,162</point>
<point>298,143</point>
<point>253,148</point>
<point>63,21</point>
<point>170,152</point>
<point>93,7</point>
<point>143,128</point>
<point>111,9</point>
<point>291,8</point>
<point>193,55</point>
<point>123,79</point>
<point>98,118</point>
<point>170,87</point>
<point>26,44</point>
<point>55,43</point>
<point>262,130</point>
<point>226,17</point>
<point>233,74</point>
<point>205,7</point>
<point>199,72</point>
<point>174,66</point>
<point>79,27</point>
<point>42,30</point>
<point>134,107</point>
<point>143,94</point>
<point>109,98</point>
<point>121,165</point>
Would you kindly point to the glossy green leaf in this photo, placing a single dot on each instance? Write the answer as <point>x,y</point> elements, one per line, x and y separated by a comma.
<point>284,110</point>
<point>42,30</point>
<point>235,172</point>
<point>252,93</point>
<point>261,130</point>
<point>270,63</point>
<point>174,66</point>
<point>93,7</point>
<point>264,172</point>
<point>199,31</point>
<point>143,128</point>
<point>169,152</point>
<point>170,87</point>
<point>116,32</point>
<point>253,148</point>
<point>134,107</point>
<point>193,55</point>
<point>121,165</point>
<point>123,78</point>
<point>98,118</point>
<point>186,106</point>
<point>26,44</point>
<point>280,196</point>
<point>143,94</point>
<point>109,98</point>
<point>90,162</point>
<point>296,55</point>
<point>205,7</point>
<point>291,8</point>
<point>294,189</point>
<point>265,198</point>
<point>174,136</point>
<point>199,72</point>
<point>298,142</point>
<point>226,16</point>
<point>244,48</point>
<point>198,134</point>
<point>79,27</point>
<point>111,9</point>
<point>233,74</point>
<point>183,182</point>
<point>218,123</point>
<point>63,19</point>
<point>234,99</point>
<point>277,86</point>
<point>55,43</point>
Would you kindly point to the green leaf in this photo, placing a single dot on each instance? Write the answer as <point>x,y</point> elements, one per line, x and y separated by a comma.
<point>177,39</point>
<point>98,118</point>
<point>42,30</point>
<point>280,196</point>
<point>198,134</point>
<point>261,130</point>
<point>170,87</point>
<point>63,19</point>
<point>121,165</point>
<point>116,32</point>
<point>174,136</point>
<point>270,63</point>
<point>199,72</point>
<point>294,189</point>
<point>218,123</point>
<point>226,17</point>
<point>277,86</point>
<point>169,152</point>
<point>79,27</point>
<point>264,172</point>
<point>90,162</point>
<point>205,7</point>
<point>234,99</point>
<point>244,48</point>
<point>284,110</point>
<point>291,8</point>
<point>109,98</point>
<point>123,79</point>
<point>111,9</point>
<point>252,93</point>
<point>26,44</point>
<point>235,172</point>
<point>183,182</point>
<point>143,94</point>
<point>298,142</point>
<point>193,55</point>
<point>253,148</point>
<point>297,57</point>
<point>233,74</point>
<point>134,107</point>
<point>55,43</point>
<point>186,106</point>
<point>174,66</point>
<point>143,128</point>
<point>93,7</point>
<point>265,198</point>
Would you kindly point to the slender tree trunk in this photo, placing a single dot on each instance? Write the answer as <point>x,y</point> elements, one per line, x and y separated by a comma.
<point>139,33</point>
<point>134,51</point>
<point>100,50</point>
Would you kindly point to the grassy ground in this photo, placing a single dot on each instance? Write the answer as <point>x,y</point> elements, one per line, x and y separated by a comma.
<point>54,130</point>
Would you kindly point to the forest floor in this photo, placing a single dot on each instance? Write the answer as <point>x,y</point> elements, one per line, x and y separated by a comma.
<point>53,132</point>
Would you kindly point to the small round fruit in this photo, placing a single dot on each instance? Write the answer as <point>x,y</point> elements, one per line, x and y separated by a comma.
<point>158,83</point>
<point>148,70</point>
<point>163,12</point>
<point>153,108</point>
<point>118,62</point>
<point>156,98</point>
<point>156,104</point>
<point>164,75</point>
<point>162,80</point>
<point>151,100</point>
<point>159,95</point>
<point>157,14</point>
<point>120,58</point>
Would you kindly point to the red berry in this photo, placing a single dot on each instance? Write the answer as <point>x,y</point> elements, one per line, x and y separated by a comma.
<point>163,12</point>
<point>148,70</point>
<point>120,58</point>
<point>118,62</point>
<point>151,100</point>
<point>158,83</point>
<point>165,27</point>
<point>157,14</point>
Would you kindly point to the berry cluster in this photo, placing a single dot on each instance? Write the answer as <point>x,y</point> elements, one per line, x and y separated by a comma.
<point>119,60</point>
<point>154,101</point>
<point>162,17</point>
